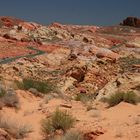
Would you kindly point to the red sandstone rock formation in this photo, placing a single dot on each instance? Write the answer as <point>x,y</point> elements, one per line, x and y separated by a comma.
<point>131,21</point>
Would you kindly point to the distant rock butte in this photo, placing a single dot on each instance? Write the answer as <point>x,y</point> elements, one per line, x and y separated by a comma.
<point>131,21</point>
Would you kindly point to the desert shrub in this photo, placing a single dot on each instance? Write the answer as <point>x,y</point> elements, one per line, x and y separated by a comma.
<point>129,97</point>
<point>115,99</point>
<point>2,93</point>
<point>83,98</point>
<point>47,127</point>
<point>73,135</point>
<point>104,99</point>
<point>41,86</point>
<point>14,128</point>
<point>126,63</point>
<point>59,121</point>
<point>11,100</point>
<point>62,120</point>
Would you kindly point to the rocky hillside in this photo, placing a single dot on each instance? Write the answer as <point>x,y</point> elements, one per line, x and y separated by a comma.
<point>91,72</point>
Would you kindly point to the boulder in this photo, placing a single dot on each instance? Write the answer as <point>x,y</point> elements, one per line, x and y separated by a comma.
<point>27,26</point>
<point>78,74</point>
<point>104,52</point>
<point>107,53</point>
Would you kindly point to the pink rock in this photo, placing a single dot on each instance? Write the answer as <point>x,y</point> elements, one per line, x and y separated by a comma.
<point>103,52</point>
<point>82,90</point>
<point>55,24</point>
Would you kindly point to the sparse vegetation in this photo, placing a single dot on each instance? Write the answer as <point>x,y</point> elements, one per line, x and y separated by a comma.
<point>59,121</point>
<point>83,98</point>
<point>115,99</point>
<point>129,97</point>
<point>2,93</point>
<point>74,68</point>
<point>73,135</point>
<point>41,86</point>
<point>14,128</point>
<point>11,100</point>
<point>126,63</point>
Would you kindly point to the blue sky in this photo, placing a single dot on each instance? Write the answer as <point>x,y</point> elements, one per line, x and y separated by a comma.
<point>96,12</point>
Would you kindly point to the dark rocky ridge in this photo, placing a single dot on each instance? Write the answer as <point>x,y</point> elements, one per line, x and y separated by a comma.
<point>131,21</point>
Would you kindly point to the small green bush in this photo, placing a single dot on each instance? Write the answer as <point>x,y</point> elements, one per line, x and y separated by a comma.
<point>62,120</point>
<point>2,93</point>
<point>59,121</point>
<point>129,97</point>
<point>47,127</point>
<point>41,86</point>
<point>115,99</point>
<point>73,135</point>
